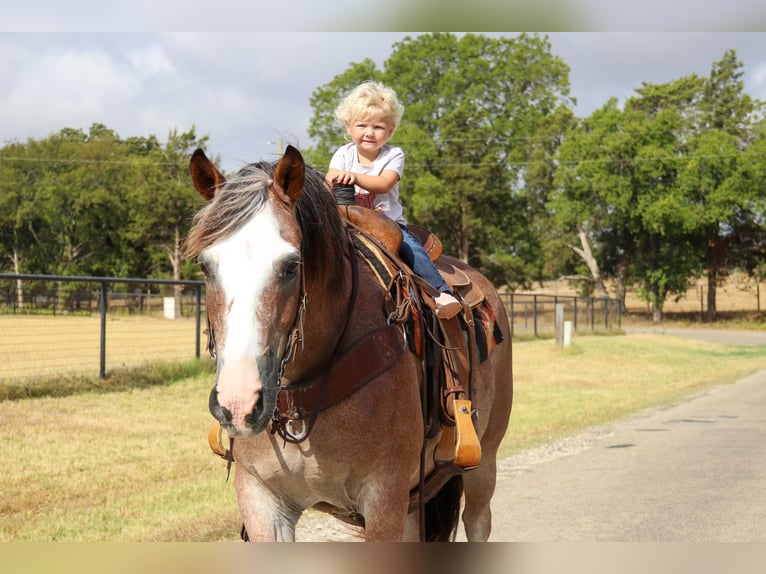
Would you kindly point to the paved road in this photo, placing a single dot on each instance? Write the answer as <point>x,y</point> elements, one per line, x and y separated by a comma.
<point>692,472</point>
<point>725,336</point>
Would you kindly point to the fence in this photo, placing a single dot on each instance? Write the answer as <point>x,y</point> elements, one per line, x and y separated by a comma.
<point>54,325</point>
<point>534,314</point>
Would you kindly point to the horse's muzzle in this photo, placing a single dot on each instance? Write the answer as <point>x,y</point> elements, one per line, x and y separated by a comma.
<point>243,398</point>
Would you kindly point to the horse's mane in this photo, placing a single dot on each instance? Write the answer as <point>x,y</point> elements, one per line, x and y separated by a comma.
<point>244,194</point>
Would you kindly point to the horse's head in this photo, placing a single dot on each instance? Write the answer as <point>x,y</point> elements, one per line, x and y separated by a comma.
<point>247,240</point>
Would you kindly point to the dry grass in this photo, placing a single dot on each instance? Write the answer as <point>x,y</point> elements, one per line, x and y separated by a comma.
<point>130,466</point>
<point>43,345</point>
<point>135,466</point>
<point>738,293</point>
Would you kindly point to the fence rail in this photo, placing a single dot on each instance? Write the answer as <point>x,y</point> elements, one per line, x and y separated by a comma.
<point>124,320</point>
<point>534,314</point>
<point>52,325</point>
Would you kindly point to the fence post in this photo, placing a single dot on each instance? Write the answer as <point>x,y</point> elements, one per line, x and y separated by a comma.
<point>102,312</point>
<point>199,318</point>
<point>574,324</point>
<point>592,314</point>
<point>510,314</point>
<point>558,317</point>
<point>619,314</point>
<point>534,314</point>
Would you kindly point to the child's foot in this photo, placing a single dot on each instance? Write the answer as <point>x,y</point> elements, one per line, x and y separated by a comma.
<point>447,306</point>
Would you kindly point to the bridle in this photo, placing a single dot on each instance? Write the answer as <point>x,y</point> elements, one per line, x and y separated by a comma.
<point>284,423</point>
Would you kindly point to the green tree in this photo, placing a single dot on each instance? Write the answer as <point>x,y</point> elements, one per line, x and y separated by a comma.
<point>619,191</point>
<point>716,186</point>
<point>162,204</point>
<point>89,203</point>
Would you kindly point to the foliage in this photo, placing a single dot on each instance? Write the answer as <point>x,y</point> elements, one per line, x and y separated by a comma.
<point>78,203</point>
<point>670,187</point>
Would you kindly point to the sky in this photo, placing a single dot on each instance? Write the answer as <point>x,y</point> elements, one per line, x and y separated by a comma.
<point>249,91</point>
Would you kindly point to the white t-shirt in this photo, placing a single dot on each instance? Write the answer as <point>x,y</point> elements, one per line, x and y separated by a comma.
<point>347,159</point>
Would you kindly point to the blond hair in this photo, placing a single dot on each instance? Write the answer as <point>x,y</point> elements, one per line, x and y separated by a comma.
<point>370,99</point>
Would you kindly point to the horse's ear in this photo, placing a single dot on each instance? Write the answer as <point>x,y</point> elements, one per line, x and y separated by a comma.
<point>205,176</point>
<point>289,175</point>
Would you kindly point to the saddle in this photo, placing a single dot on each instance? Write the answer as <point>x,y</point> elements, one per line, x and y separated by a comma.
<point>449,353</point>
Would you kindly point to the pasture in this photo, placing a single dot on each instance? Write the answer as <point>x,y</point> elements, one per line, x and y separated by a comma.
<point>135,466</point>
<point>39,346</point>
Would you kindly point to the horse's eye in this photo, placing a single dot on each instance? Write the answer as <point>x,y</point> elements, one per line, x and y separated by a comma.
<point>207,271</point>
<point>289,269</point>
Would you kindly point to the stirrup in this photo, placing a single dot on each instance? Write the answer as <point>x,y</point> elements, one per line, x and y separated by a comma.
<point>460,444</point>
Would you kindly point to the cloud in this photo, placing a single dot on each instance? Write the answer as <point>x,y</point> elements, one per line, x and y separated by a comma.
<point>249,90</point>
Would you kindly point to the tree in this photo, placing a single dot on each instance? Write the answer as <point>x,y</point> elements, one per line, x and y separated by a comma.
<point>89,203</point>
<point>162,204</point>
<point>619,190</point>
<point>714,182</point>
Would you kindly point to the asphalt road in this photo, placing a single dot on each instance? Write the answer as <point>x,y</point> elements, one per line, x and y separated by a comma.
<point>693,472</point>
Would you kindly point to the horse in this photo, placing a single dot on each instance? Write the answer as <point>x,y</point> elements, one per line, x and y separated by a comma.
<point>285,298</point>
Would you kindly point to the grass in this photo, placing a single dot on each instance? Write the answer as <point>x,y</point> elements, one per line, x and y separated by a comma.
<point>36,346</point>
<point>602,379</point>
<point>124,466</point>
<point>124,379</point>
<point>134,465</point>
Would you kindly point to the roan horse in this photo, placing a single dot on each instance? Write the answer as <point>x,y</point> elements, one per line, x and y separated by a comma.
<point>285,298</point>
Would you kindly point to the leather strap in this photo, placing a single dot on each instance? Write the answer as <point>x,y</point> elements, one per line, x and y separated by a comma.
<point>364,361</point>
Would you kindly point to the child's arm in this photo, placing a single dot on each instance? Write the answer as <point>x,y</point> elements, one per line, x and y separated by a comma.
<point>382,183</point>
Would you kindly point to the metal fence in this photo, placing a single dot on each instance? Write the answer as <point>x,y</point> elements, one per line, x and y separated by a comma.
<point>55,325</point>
<point>534,314</point>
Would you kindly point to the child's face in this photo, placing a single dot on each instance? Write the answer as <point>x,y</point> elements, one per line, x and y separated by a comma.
<point>370,134</point>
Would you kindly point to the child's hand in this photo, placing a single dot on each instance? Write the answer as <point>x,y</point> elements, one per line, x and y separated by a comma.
<point>345,177</point>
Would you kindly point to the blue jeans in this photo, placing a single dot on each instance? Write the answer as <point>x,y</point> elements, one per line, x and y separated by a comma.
<point>413,254</point>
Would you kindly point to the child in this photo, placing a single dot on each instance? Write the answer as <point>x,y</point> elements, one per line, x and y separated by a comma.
<point>370,114</point>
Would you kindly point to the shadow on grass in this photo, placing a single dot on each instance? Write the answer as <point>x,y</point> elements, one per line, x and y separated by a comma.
<point>149,375</point>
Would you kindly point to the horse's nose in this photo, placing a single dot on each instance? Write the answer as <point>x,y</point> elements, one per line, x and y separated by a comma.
<point>222,414</point>
<point>237,394</point>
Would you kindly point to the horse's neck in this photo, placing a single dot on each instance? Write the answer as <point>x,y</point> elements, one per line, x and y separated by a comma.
<point>324,322</point>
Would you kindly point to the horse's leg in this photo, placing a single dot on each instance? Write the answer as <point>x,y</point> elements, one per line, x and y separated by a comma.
<point>385,511</point>
<point>265,520</point>
<point>412,527</point>
<point>478,489</point>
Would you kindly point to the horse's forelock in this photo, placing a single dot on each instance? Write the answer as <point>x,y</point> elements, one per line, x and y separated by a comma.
<point>236,202</point>
<point>324,237</point>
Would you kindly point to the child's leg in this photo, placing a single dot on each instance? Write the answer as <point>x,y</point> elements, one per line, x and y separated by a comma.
<point>413,254</point>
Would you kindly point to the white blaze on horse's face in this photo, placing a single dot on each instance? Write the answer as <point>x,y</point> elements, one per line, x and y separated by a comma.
<point>255,279</point>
